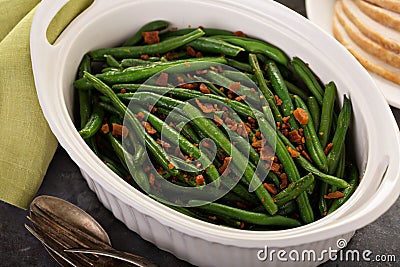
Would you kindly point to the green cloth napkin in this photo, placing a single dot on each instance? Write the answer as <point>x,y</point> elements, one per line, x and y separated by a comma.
<point>27,144</point>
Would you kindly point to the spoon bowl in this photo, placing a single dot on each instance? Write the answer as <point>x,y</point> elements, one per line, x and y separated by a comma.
<point>72,215</point>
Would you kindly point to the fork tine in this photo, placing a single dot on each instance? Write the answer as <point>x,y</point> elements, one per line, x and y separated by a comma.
<point>64,241</point>
<point>69,228</point>
<point>73,260</point>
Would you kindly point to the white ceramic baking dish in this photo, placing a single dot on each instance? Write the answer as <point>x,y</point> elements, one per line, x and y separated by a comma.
<point>107,23</point>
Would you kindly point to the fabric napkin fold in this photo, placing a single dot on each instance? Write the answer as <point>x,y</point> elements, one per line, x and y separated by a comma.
<point>27,144</point>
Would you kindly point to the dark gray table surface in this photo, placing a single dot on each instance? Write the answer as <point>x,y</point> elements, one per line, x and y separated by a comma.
<point>63,179</point>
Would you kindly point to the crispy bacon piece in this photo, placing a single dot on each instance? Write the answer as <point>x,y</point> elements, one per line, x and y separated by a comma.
<point>190,51</point>
<point>105,129</point>
<point>327,148</point>
<point>149,129</point>
<point>234,86</point>
<point>151,37</point>
<point>334,195</point>
<point>206,108</point>
<point>204,89</point>
<point>119,130</point>
<point>162,79</point>
<point>284,180</point>
<point>223,169</point>
<point>301,115</point>
<point>293,153</point>
<point>239,34</point>
<point>270,188</point>
<point>294,137</point>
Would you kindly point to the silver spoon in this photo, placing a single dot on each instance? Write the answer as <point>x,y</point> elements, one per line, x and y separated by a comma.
<point>73,237</point>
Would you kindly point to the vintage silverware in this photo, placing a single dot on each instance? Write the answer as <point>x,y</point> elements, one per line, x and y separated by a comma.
<point>73,238</point>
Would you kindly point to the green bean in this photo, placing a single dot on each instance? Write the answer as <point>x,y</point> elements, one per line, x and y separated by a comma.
<point>279,85</point>
<point>338,140</point>
<point>112,62</point>
<point>183,143</point>
<point>239,65</point>
<point>288,208</point>
<point>245,216</point>
<point>315,112</point>
<point>85,97</point>
<point>312,142</point>
<point>214,90</point>
<point>156,25</point>
<point>294,189</point>
<point>221,80</point>
<point>328,104</point>
<point>179,93</point>
<point>308,78</point>
<point>340,170</point>
<point>134,62</point>
<point>117,103</point>
<point>207,31</point>
<point>304,163</point>
<point>247,79</point>
<point>93,124</point>
<point>219,138</point>
<point>126,157</point>
<point>257,46</point>
<point>293,89</point>
<point>347,192</point>
<point>160,156</point>
<point>143,72</point>
<point>136,51</point>
<point>210,45</point>
<point>322,205</point>
<point>269,96</point>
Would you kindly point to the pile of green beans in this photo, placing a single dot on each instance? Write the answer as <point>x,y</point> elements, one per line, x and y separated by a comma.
<point>297,116</point>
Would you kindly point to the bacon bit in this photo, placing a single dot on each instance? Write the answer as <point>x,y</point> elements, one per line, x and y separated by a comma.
<point>180,80</point>
<point>213,218</point>
<point>252,90</point>
<point>241,130</point>
<point>190,51</point>
<point>270,188</point>
<point>258,134</point>
<point>149,129</point>
<point>284,180</point>
<point>199,72</point>
<point>234,87</point>
<point>207,108</point>
<point>301,115</point>
<point>242,205</point>
<point>327,148</point>
<point>278,100</point>
<point>223,168</point>
<point>334,195</point>
<point>222,89</point>
<point>123,91</point>
<point>239,34</point>
<point>199,54</point>
<point>171,166</point>
<point>162,79</point>
<point>266,153</point>
<point>276,167</point>
<point>187,64</point>
<point>147,168</point>
<point>200,179</point>
<point>293,153</point>
<point>285,119</point>
<point>262,200</point>
<point>152,179</point>
<point>144,57</point>
<point>105,129</point>
<point>204,89</point>
<point>128,177</point>
<point>234,127</point>
<point>257,144</point>
<point>294,136</point>
<point>151,37</point>
<point>190,86</point>
<point>163,143</point>
<point>240,98</point>
<point>305,154</point>
<point>218,121</point>
<point>119,130</point>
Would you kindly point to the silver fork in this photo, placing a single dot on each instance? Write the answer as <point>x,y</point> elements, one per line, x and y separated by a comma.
<point>71,246</point>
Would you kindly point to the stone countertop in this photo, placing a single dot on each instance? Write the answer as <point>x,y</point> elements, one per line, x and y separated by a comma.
<point>63,179</point>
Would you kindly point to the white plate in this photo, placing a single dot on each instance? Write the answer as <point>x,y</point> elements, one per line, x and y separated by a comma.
<point>321,12</point>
